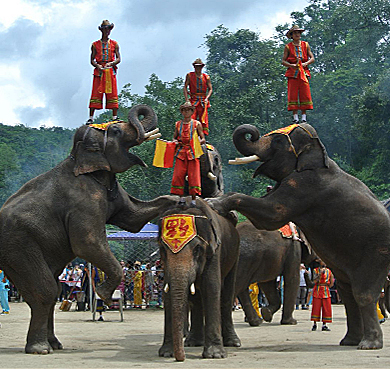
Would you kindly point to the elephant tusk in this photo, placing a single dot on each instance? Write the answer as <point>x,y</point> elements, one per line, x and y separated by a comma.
<point>212,176</point>
<point>166,288</point>
<point>246,160</point>
<point>153,137</point>
<point>148,134</point>
<point>192,289</point>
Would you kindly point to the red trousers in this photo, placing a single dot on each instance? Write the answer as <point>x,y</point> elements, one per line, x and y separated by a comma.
<point>298,95</point>
<point>97,97</point>
<point>198,115</point>
<point>326,307</point>
<point>183,168</point>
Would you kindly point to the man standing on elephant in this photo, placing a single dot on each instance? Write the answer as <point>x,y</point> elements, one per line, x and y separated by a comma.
<point>323,279</point>
<point>200,92</point>
<point>296,57</point>
<point>104,57</point>
<point>187,153</point>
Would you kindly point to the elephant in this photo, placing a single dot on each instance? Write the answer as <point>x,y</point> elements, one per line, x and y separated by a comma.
<point>265,255</point>
<point>211,172</point>
<point>203,273</point>
<point>62,214</point>
<point>344,222</point>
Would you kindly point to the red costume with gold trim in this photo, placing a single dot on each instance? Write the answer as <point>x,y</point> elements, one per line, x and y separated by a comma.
<point>321,297</point>
<point>298,88</point>
<point>198,92</point>
<point>104,82</point>
<point>186,162</point>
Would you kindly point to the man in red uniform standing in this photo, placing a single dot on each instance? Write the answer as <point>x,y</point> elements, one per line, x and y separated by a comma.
<point>296,57</point>
<point>104,57</point>
<point>323,280</point>
<point>187,163</point>
<point>200,91</point>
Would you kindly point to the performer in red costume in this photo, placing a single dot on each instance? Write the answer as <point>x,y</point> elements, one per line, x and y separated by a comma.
<point>200,91</point>
<point>104,57</point>
<point>323,280</point>
<point>187,152</point>
<point>296,57</point>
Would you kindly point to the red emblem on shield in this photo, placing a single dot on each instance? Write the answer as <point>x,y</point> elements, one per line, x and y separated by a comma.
<point>177,231</point>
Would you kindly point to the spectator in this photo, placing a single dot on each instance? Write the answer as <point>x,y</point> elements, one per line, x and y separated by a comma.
<point>137,285</point>
<point>301,297</point>
<point>4,287</point>
<point>98,277</point>
<point>149,283</point>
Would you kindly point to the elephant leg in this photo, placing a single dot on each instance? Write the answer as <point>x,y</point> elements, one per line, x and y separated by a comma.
<point>53,340</point>
<point>166,350</point>
<point>211,300</point>
<point>291,286</point>
<point>273,296</point>
<point>229,335</point>
<point>354,319</point>
<point>196,334</point>
<point>92,245</point>
<point>38,287</point>
<point>253,319</point>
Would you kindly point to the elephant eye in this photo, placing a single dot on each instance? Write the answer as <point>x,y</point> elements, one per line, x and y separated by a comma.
<point>116,130</point>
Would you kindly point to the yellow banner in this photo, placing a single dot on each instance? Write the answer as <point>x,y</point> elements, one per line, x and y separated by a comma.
<point>197,146</point>
<point>164,154</point>
<point>177,231</point>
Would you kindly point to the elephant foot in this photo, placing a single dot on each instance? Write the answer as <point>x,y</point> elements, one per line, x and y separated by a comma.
<point>214,352</point>
<point>166,350</point>
<point>232,341</point>
<point>193,341</point>
<point>43,348</point>
<point>256,321</point>
<point>350,341</point>
<point>55,344</point>
<point>366,344</point>
<point>288,321</point>
<point>105,294</point>
<point>267,314</point>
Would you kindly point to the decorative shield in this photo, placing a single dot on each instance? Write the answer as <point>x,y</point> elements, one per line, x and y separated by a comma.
<point>177,231</point>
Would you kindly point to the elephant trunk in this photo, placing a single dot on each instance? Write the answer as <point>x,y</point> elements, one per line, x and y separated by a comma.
<point>244,146</point>
<point>179,299</point>
<point>148,123</point>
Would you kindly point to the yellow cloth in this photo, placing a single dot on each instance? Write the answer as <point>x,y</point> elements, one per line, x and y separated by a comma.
<point>254,293</point>
<point>138,288</point>
<point>197,146</point>
<point>378,311</point>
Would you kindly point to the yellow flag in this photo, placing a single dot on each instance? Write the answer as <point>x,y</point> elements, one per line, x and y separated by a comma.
<point>197,146</point>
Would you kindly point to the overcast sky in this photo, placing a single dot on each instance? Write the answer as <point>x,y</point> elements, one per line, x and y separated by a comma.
<point>45,74</point>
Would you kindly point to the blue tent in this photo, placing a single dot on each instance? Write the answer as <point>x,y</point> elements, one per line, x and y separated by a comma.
<point>148,232</point>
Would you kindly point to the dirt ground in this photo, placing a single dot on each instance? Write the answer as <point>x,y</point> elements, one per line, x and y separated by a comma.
<point>135,343</point>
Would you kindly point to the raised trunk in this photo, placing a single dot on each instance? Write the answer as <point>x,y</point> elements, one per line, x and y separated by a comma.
<point>148,123</point>
<point>244,146</point>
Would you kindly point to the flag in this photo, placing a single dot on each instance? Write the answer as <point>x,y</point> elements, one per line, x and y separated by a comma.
<point>164,154</point>
<point>197,146</point>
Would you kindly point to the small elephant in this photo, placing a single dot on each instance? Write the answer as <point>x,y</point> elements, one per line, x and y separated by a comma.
<point>203,271</point>
<point>265,255</point>
<point>344,222</point>
<point>62,214</point>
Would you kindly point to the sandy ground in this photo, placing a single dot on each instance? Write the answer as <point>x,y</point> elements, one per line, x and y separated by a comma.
<point>135,343</point>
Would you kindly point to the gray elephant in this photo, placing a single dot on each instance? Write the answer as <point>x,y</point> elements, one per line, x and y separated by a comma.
<point>202,270</point>
<point>344,222</point>
<point>62,214</point>
<point>211,172</point>
<point>265,255</point>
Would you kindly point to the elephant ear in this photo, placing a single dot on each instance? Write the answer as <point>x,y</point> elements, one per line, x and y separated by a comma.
<point>88,153</point>
<point>216,231</point>
<point>311,152</point>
